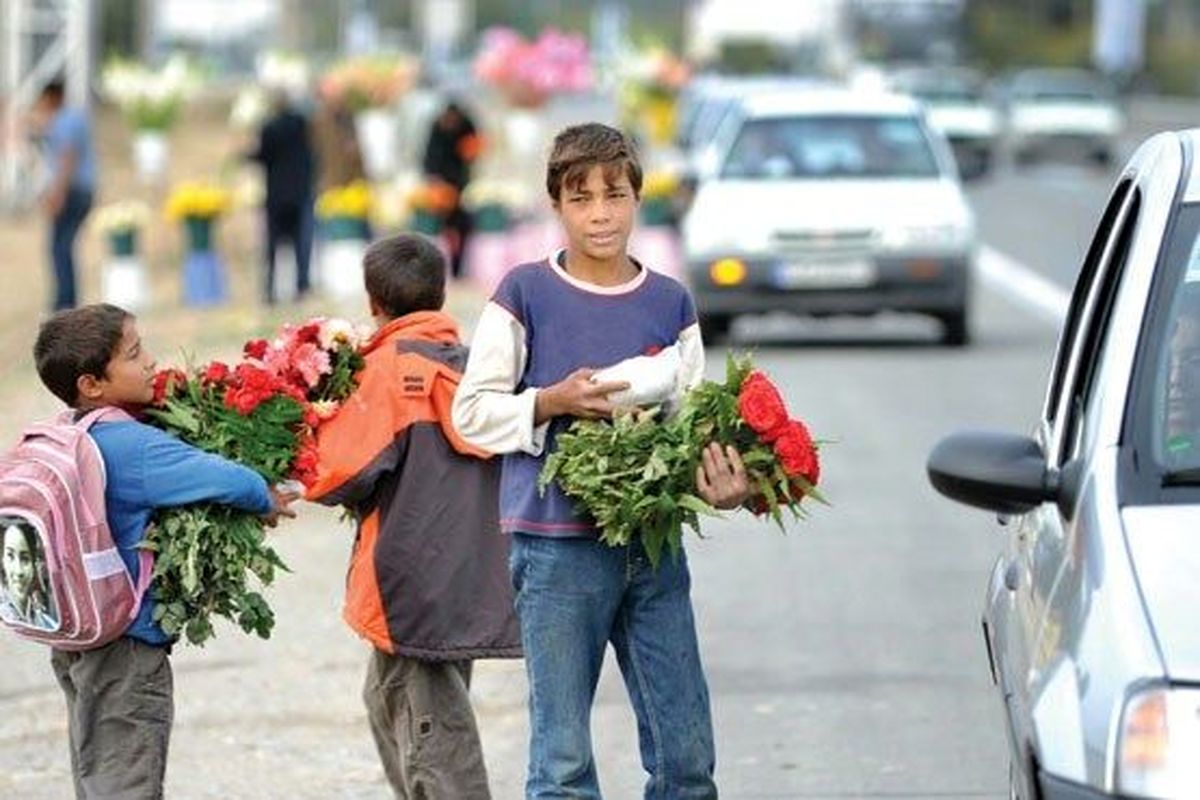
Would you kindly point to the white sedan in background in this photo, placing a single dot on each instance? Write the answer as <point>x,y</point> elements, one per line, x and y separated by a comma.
<point>828,201</point>
<point>1052,110</point>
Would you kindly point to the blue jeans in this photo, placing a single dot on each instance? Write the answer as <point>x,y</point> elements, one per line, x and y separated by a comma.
<point>63,230</point>
<point>574,596</point>
<point>290,223</point>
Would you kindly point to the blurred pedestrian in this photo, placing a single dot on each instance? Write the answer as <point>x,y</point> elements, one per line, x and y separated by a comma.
<point>453,146</point>
<point>335,140</point>
<point>71,159</point>
<point>286,153</point>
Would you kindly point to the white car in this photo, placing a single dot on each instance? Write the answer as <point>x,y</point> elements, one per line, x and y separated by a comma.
<point>830,201</point>
<point>1057,109</point>
<point>957,107</point>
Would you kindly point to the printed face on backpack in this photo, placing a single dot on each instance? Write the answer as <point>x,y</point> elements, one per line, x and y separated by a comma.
<point>18,564</point>
<point>130,375</point>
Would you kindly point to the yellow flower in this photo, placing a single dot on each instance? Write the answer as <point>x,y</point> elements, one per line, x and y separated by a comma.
<point>124,215</point>
<point>197,200</point>
<point>660,185</point>
<point>352,200</point>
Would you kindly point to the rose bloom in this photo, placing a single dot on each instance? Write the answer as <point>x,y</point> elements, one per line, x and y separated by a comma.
<point>256,349</point>
<point>166,383</point>
<point>760,405</point>
<point>216,372</point>
<point>797,454</point>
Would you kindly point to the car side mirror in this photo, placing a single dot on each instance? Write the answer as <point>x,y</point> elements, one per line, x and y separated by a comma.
<point>1000,472</point>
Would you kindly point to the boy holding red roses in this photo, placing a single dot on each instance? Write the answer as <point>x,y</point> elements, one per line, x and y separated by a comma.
<point>530,374</point>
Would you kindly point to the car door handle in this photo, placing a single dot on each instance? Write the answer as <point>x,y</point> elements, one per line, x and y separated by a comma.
<point>1002,520</point>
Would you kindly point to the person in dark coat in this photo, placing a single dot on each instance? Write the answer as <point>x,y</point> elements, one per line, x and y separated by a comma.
<point>286,153</point>
<point>453,145</point>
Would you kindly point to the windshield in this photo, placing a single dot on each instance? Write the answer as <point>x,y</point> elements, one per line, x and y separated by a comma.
<point>1060,90</point>
<point>1177,418</point>
<point>792,148</point>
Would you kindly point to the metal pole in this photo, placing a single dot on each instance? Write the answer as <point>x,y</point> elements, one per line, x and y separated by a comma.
<point>14,24</point>
<point>79,52</point>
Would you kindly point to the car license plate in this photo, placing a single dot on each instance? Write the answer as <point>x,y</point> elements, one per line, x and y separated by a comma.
<point>825,274</point>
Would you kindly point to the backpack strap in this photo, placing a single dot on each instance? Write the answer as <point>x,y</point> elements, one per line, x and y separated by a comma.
<point>103,414</point>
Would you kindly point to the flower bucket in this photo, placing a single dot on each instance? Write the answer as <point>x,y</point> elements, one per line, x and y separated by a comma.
<point>377,129</point>
<point>656,211</point>
<point>492,218</point>
<point>425,222</point>
<point>487,259</point>
<point>203,279</point>
<point>150,155</point>
<point>340,268</point>
<point>123,243</point>
<point>339,229</point>
<point>123,282</point>
<point>199,233</point>
<point>658,247</point>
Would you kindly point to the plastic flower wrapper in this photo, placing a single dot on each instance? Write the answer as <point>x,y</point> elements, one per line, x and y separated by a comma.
<point>636,475</point>
<point>262,413</point>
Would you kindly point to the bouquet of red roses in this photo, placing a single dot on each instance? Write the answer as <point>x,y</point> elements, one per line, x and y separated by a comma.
<point>262,413</point>
<point>636,475</point>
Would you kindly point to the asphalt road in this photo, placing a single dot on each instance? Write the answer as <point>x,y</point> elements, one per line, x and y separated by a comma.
<point>844,658</point>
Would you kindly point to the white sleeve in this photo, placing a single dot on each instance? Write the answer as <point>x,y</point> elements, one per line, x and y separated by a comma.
<point>487,411</point>
<point>691,356</point>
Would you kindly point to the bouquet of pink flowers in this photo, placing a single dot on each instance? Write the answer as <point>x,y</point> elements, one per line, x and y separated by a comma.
<point>263,413</point>
<point>528,73</point>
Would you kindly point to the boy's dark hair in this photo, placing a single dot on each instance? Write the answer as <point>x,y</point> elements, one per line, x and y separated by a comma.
<point>580,147</point>
<point>77,342</point>
<point>55,90</point>
<point>405,273</point>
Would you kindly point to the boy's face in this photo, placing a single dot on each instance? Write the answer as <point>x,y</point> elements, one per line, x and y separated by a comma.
<point>598,215</point>
<point>130,376</point>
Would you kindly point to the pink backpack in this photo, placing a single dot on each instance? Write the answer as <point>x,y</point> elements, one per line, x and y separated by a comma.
<point>62,581</point>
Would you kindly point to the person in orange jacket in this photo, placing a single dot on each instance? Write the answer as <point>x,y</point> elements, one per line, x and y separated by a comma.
<point>428,585</point>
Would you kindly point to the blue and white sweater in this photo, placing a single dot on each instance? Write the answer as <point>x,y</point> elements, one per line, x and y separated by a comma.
<point>539,327</point>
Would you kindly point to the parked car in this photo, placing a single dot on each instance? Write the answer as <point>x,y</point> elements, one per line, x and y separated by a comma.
<point>1089,624</point>
<point>828,201</point>
<point>1056,110</point>
<point>958,107</point>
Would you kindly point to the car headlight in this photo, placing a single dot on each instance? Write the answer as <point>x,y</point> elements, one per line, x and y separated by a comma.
<point>1158,743</point>
<point>915,237</point>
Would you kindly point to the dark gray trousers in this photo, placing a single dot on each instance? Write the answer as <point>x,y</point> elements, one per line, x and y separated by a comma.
<point>424,728</point>
<point>120,704</point>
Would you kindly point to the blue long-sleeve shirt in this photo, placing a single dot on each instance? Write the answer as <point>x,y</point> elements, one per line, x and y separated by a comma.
<point>148,469</point>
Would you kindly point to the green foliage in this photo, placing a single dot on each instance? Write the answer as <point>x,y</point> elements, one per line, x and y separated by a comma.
<point>206,555</point>
<point>636,475</point>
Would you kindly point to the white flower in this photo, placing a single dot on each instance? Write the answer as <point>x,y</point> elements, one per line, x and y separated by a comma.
<point>325,409</point>
<point>249,109</point>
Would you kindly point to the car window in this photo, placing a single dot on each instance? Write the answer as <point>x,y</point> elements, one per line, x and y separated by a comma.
<point>1079,296</point>
<point>830,147</point>
<point>1094,337</point>
<point>1176,431</point>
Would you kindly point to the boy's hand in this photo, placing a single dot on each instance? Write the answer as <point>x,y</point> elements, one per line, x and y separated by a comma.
<point>721,477</point>
<point>577,395</point>
<point>281,501</point>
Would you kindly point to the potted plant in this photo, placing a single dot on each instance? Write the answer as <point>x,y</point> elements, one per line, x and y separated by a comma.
<point>343,213</point>
<point>151,101</point>
<point>197,206</point>
<point>123,278</point>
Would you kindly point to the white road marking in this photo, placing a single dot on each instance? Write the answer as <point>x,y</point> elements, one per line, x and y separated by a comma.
<point>1024,284</point>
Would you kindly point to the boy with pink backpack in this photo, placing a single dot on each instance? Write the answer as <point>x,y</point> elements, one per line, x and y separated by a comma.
<point>76,497</point>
